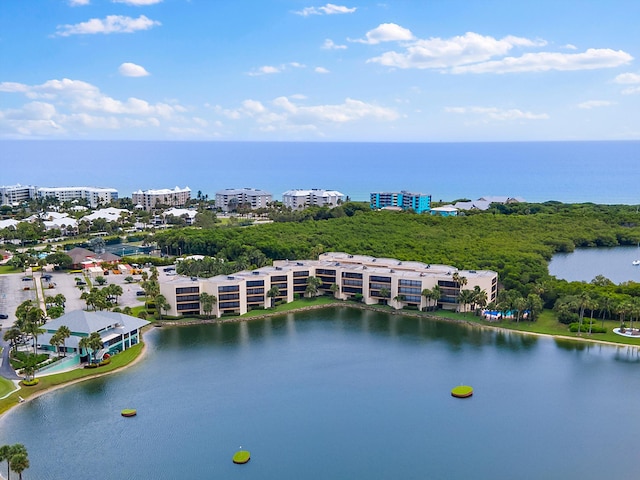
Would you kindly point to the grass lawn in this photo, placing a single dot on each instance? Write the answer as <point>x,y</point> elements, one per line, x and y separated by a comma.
<point>9,269</point>
<point>295,305</point>
<point>117,361</point>
<point>547,324</point>
<point>6,386</point>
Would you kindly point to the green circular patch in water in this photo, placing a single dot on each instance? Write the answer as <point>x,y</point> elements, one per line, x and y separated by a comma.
<point>462,391</point>
<point>241,456</point>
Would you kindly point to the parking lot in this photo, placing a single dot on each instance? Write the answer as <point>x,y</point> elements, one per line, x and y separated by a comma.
<point>12,294</point>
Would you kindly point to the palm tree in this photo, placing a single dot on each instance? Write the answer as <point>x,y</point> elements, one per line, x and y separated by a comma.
<point>34,329</point>
<point>64,333</point>
<point>207,301</point>
<point>5,456</point>
<point>91,344</point>
<point>19,463</point>
<point>399,299</point>
<point>465,297</point>
<point>428,296</point>
<point>272,293</point>
<point>313,284</point>
<point>436,292</point>
<point>162,304</point>
<point>334,289</point>
<point>55,341</point>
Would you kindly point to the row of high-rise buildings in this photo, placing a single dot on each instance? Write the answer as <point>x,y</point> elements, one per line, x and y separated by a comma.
<point>227,200</point>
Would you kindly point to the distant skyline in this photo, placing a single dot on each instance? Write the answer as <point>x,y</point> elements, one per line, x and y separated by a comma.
<point>294,70</point>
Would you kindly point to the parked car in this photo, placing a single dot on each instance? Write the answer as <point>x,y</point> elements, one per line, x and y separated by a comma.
<point>26,279</point>
<point>3,316</point>
<point>81,282</point>
<point>140,293</point>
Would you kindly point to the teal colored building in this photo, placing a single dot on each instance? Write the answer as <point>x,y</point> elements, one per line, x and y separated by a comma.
<point>418,202</point>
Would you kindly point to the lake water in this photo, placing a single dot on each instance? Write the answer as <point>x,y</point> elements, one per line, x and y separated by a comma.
<point>342,394</point>
<point>585,263</point>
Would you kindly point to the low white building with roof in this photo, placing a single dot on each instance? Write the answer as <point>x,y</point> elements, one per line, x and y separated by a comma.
<point>118,331</point>
<point>188,214</point>
<point>110,214</point>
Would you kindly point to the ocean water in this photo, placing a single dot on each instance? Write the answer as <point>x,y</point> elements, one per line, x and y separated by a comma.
<point>599,172</point>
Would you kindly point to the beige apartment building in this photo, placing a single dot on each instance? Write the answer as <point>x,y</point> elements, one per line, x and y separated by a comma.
<point>149,199</point>
<point>372,280</point>
<point>229,199</point>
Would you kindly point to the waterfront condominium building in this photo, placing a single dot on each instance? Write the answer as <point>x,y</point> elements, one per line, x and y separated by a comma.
<point>149,199</point>
<point>230,199</point>
<point>368,279</point>
<point>16,194</point>
<point>298,199</point>
<point>93,195</point>
<point>418,202</point>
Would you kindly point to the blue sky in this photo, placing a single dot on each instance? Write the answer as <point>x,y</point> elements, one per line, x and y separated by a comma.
<point>299,70</point>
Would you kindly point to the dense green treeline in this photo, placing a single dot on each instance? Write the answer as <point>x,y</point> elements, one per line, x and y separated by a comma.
<point>517,244</point>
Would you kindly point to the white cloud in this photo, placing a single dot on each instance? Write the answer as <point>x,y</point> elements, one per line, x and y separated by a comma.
<point>460,50</point>
<point>328,9</point>
<point>588,105</point>
<point>330,45</point>
<point>78,3</point>
<point>271,69</point>
<point>492,113</point>
<point>110,24</point>
<point>386,32</point>
<point>320,70</point>
<point>627,78</point>
<point>73,105</point>
<point>128,69</point>
<point>631,90</point>
<point>138,3</point>
<point>592,59</point>
<point>288,113</point>
<point>475,53</point>
<point>265,70</point>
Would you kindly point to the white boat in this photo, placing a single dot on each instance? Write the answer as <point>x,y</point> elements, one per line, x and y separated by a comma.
<point>635,262</point>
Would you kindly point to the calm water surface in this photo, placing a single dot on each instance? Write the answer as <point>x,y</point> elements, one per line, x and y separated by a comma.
<point>343,394</point>
<point>584,264</point>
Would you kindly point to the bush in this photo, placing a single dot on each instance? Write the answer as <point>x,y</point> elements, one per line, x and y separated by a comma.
<point>91,365</point>
<point>30,383</point>
<point>585,328</point>
<point>105,361</point>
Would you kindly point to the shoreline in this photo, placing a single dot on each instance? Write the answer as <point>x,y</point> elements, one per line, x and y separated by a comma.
<point>374,308</point>
<point>73,382</point>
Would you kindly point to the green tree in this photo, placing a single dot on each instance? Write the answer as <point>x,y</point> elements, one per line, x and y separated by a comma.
<point>100,280</point>
<point>161,304</point>
<point>5,456</point>
<point>207,302</point>
<point>61,259</point>
<point>19,463</point>
<point>34,329</point>
<point>313,284</point>
<point>13,336</point>
<point>64,333</point>
<point>91,344</point>
<point>465,297</point>
<point>272,293</point>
